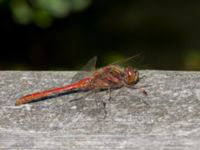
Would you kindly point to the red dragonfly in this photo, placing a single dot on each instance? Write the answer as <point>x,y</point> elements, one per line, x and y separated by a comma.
<point>109,77</point>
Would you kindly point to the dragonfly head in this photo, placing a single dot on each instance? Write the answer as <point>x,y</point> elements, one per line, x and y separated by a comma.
<point>131,75</point>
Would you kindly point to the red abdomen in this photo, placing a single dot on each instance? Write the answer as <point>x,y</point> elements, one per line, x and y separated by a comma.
<point>82,84</point>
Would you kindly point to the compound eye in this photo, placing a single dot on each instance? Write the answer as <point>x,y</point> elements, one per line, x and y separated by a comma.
<point>132,76</point>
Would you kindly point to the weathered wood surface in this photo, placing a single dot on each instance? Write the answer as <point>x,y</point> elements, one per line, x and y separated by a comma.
<point>170,121</point>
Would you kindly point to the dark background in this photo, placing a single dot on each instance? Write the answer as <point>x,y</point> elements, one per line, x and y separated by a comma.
<point>64,34</point>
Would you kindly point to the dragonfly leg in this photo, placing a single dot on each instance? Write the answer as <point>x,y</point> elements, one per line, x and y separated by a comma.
<point>141,88</point>
<point>104,108</point>
<point>96,101</point>
<point>142,77</point>
<point>109,90</point>
<point>101,104</point>
<point>109,94</point>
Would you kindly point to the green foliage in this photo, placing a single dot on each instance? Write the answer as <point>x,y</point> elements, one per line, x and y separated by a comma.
<point>113,57</point>
<point>42,12</point>
<point>57,8</point>
<point>192,59</point>
<point>21,11</point>
<point>112,30</point>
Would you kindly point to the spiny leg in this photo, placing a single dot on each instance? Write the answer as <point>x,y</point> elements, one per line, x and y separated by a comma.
<point>109,94</point>
<point>104,108</point>
<point>103,102</point>
<point>100,103</point>
<point>108,100</point>
<point>109,90</point>
<point>141,88</point>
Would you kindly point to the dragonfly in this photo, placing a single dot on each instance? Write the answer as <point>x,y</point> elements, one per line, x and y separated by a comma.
<point>112,76</point>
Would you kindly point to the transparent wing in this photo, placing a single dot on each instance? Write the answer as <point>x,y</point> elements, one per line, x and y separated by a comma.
<point>134,60</point>
<point>87,70</point>
<point>91,64</point>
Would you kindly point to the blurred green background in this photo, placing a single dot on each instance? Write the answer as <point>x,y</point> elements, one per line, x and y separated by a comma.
<point>64,34</point>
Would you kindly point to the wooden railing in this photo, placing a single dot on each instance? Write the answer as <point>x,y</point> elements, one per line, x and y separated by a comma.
<point>168,117</point>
